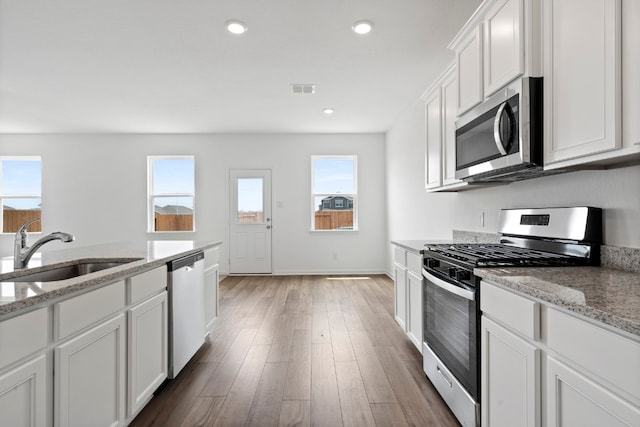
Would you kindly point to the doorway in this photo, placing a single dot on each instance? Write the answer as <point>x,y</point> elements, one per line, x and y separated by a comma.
<point>250,221</point>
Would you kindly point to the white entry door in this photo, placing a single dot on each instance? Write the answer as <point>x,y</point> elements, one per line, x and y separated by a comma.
<point>250,221</point>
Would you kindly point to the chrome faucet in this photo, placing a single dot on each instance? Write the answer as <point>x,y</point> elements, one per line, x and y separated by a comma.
<point>23,253</point>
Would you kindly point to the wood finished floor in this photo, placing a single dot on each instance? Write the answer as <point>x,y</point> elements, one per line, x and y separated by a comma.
<point>301,351</point>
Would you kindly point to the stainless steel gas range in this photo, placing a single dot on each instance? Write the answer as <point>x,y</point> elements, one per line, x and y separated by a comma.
<point>529,237</point>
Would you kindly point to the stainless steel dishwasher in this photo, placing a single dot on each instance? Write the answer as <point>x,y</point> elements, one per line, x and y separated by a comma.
<point>186,309</point>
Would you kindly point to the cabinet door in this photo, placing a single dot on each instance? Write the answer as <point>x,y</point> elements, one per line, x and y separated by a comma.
<point>469,66</point>
<point>449,113</point>
<point>90,377</point>
<point>400,276</point>
<point>582,78</point>
<point>147,350</point>
<point>23,393</point>
<point>630,73</point>
<point>433,128</point>
<point>574,400</point>
<point>510,378</point>
<point>503,44</point>
<point>210,296</point>
<point>414,317</point>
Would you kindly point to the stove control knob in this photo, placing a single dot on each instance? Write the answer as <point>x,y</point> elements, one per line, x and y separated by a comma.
<point>452,271</point>
<point>463,275</point>
<point>433,263</point>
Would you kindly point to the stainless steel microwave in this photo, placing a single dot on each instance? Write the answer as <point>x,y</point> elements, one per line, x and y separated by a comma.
<point>500,140</point>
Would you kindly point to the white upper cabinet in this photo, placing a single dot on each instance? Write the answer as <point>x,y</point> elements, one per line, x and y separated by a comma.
<point>498,44</point>
<point>631,75</point>
<point>433,131</point>
<point>440,124</point>
<point>503,44</point>
<point>469,70</point>
<point>449,115</point>
<point>582,71</point>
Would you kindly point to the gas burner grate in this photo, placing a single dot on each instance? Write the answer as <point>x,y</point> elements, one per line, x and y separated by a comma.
<point>495,255</point>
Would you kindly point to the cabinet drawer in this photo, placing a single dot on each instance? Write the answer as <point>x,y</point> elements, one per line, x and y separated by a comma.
<point>211,257</point>
<point>414,263</point>
<point>605,354</point>
<point>519,313</point>
<point>147,284</point>
<point>23,335</point>
<point>79,312</point>
<point>400,255</point>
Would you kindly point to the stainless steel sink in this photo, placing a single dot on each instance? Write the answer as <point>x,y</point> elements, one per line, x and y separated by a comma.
<point>70,271</point>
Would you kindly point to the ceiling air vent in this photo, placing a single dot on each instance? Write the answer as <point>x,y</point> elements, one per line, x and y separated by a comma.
<point>300,88</point>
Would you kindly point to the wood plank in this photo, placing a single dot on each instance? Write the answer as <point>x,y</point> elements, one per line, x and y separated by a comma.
<point>320,325</point>
<point>414,405</point>
<point>342,349</point>
<point>298,380</point>
<point>295,413</point>
<point>353,398</point>
<point>223,377</point>
<point>375,379</point>
<point>388,414</point>
<point>268,400</point>
<point>237,405</point>
<point>203,412</point>
<point>325,402</point>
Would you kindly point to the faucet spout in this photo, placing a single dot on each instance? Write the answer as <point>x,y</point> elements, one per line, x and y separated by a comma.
<point>22,253</point>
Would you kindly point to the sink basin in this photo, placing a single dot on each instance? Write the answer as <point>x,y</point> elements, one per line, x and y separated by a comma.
<point>70,271</point>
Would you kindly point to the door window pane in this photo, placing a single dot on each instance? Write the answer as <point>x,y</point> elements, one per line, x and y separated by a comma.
<point>250,201</point>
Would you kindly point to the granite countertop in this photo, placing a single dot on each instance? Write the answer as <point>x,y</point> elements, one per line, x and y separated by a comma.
<point>18,296</point>
<point>603,294</point>
<point>417,246</point>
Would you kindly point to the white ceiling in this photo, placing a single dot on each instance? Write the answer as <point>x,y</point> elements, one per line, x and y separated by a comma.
<point>166,66</point>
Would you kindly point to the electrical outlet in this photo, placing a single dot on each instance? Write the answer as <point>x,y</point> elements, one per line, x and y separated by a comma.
<point>335,256</point>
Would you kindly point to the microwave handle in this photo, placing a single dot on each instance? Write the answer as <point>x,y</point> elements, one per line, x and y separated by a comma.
<point>496,129</point>
<point>449,287</point>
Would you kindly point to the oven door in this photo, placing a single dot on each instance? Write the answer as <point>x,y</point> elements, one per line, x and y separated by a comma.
<point>451,327</point>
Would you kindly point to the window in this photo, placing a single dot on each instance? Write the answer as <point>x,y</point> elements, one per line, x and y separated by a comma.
<point>20,192</point>
<point>171,193</point>
<point>334,193</point>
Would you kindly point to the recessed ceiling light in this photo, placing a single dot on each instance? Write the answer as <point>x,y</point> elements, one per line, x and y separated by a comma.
<point>328,111</point>
<point>236,27</point>
<point>362,27</point>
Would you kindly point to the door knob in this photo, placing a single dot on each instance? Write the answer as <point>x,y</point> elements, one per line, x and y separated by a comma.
<point>268,227</point>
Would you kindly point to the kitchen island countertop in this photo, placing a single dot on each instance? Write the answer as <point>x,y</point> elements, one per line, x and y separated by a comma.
<point>602,294</point>
<point>16,297</point>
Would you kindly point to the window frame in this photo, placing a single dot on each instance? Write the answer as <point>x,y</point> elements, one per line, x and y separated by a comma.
<point>354,195</point>
<point>4,196</point>
<point>151,195</point>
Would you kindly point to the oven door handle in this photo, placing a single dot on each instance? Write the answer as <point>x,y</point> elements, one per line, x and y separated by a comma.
<point>449,287</point>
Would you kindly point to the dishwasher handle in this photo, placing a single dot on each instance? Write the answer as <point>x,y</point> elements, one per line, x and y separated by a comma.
<point>185,261</point>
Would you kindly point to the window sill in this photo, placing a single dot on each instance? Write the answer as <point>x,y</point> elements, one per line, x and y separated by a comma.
<point>351,230</point>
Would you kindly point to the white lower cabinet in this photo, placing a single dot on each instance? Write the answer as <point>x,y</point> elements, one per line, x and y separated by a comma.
<point>400,289</point>
<point>575,400</point>
<point>90,376</point>
<point>510,378</point>
<point>414,317</point>
<point>23,395</point>
<point>537,359</point>
<point>147,350</point>
<point>408,293</point>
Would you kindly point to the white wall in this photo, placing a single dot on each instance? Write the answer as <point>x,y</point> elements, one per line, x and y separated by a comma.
<point>415,214</point>
<point>94,186</point>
